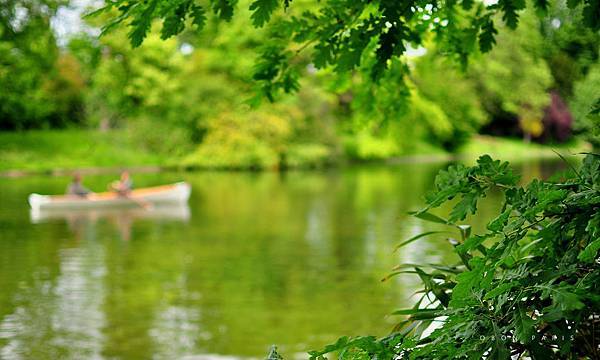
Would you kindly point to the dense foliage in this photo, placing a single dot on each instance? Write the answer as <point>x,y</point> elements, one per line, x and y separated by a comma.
<point>585,100</point>
<point>341,33</point>
<point>527,286</point>
<point>515,77</point>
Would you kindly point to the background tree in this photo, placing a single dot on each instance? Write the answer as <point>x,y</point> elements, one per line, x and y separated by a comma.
<point>514,77</point>
<point>569,48</point>
<point>586,95</point>
<point>40,87</point>
<point>440,81</point>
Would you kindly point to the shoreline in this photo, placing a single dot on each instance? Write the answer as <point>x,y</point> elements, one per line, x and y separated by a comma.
<point>399,160</point>
<point>60,153</point>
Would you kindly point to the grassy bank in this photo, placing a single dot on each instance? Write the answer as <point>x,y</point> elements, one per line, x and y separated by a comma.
<point>40,151</point>
<point>516,149</point>
<point>70,149</point>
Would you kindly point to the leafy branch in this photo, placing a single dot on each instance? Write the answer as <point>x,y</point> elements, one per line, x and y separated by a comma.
<point>341,33</point>
<point>528,287</point>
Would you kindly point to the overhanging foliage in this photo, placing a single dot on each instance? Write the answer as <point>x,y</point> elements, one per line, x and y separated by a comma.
<point>340,33</point>
<point>528,286</point>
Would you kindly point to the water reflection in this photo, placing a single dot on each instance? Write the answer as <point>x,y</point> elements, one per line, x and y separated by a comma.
<point>255,260</point>
<point>59,316</point>
<point>83,221</point>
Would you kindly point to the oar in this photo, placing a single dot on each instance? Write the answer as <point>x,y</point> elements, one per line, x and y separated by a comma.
<point>140,202</point>
<point>146,205</point>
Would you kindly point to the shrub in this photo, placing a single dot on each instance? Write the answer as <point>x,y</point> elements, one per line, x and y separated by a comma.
<point>526,287</point>
<point>364,146</point>
<point>308,155</point>
<point>255,140</point>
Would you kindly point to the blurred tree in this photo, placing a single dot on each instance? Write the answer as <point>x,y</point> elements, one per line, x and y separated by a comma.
<point>585,97</point>
<point>127,83</point>
<point>514,78</point>
<point>440,82</point>
<point>218,88</point>
<point>570,47</point>
<point>85,48</point>
<point>67,86</point>
<point>196,88</point>
<point>38,86</point>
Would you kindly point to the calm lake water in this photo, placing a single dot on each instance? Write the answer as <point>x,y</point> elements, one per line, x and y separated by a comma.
<point>292,259</point>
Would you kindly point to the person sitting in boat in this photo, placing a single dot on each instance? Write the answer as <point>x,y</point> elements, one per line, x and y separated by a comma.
<point>76,188</point>
<point>123,186</point>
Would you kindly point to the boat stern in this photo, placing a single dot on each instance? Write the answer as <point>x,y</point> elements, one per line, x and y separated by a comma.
<point>184,191</point>
<point>37,200</point>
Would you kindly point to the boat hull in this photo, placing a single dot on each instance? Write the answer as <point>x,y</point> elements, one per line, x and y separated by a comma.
<point>169,194</point>
<point>170,212</point>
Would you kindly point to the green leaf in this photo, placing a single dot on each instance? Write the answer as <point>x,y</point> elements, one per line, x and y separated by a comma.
<point>500,289</point>
<point>499,350</point>
<point>425,313</point>
<point>591,14</point>
<point>427,216</point>
<point>174,19</point>
<point>589,253</point>
<point>417,237</point>
<point>96,12</point>
<point>562,296</point>
<point>468,204</point>
<point>141,23</point>
<point>434,287</point>
<point>199,16</point>
<point>442,268</point>
<point>510,9</point>
<point>567,300</point>
<point>487,37</point>
<point>223,8</point>
<point>524,326</point>
<point>596,111</point>
<point>262,11</point>
<point>471,243</point>
<point>541,5</point>
<point>465,283</point>
<point>499,222</point>
<point>467,4</point>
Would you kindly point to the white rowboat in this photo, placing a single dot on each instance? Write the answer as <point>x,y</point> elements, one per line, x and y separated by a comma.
<point>177,193</point>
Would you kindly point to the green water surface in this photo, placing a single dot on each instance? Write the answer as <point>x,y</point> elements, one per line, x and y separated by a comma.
<point>293,259</point>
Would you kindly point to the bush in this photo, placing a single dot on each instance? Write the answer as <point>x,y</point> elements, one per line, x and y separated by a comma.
<point>241,141</point>
<point>308,155</point>
<point>527,287</point>
<point>456,98</point>
<point>364,146</point>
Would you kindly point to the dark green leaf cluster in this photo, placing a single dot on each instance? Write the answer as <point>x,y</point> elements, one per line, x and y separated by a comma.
<point>526,287</point>
<point>341,33</point>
